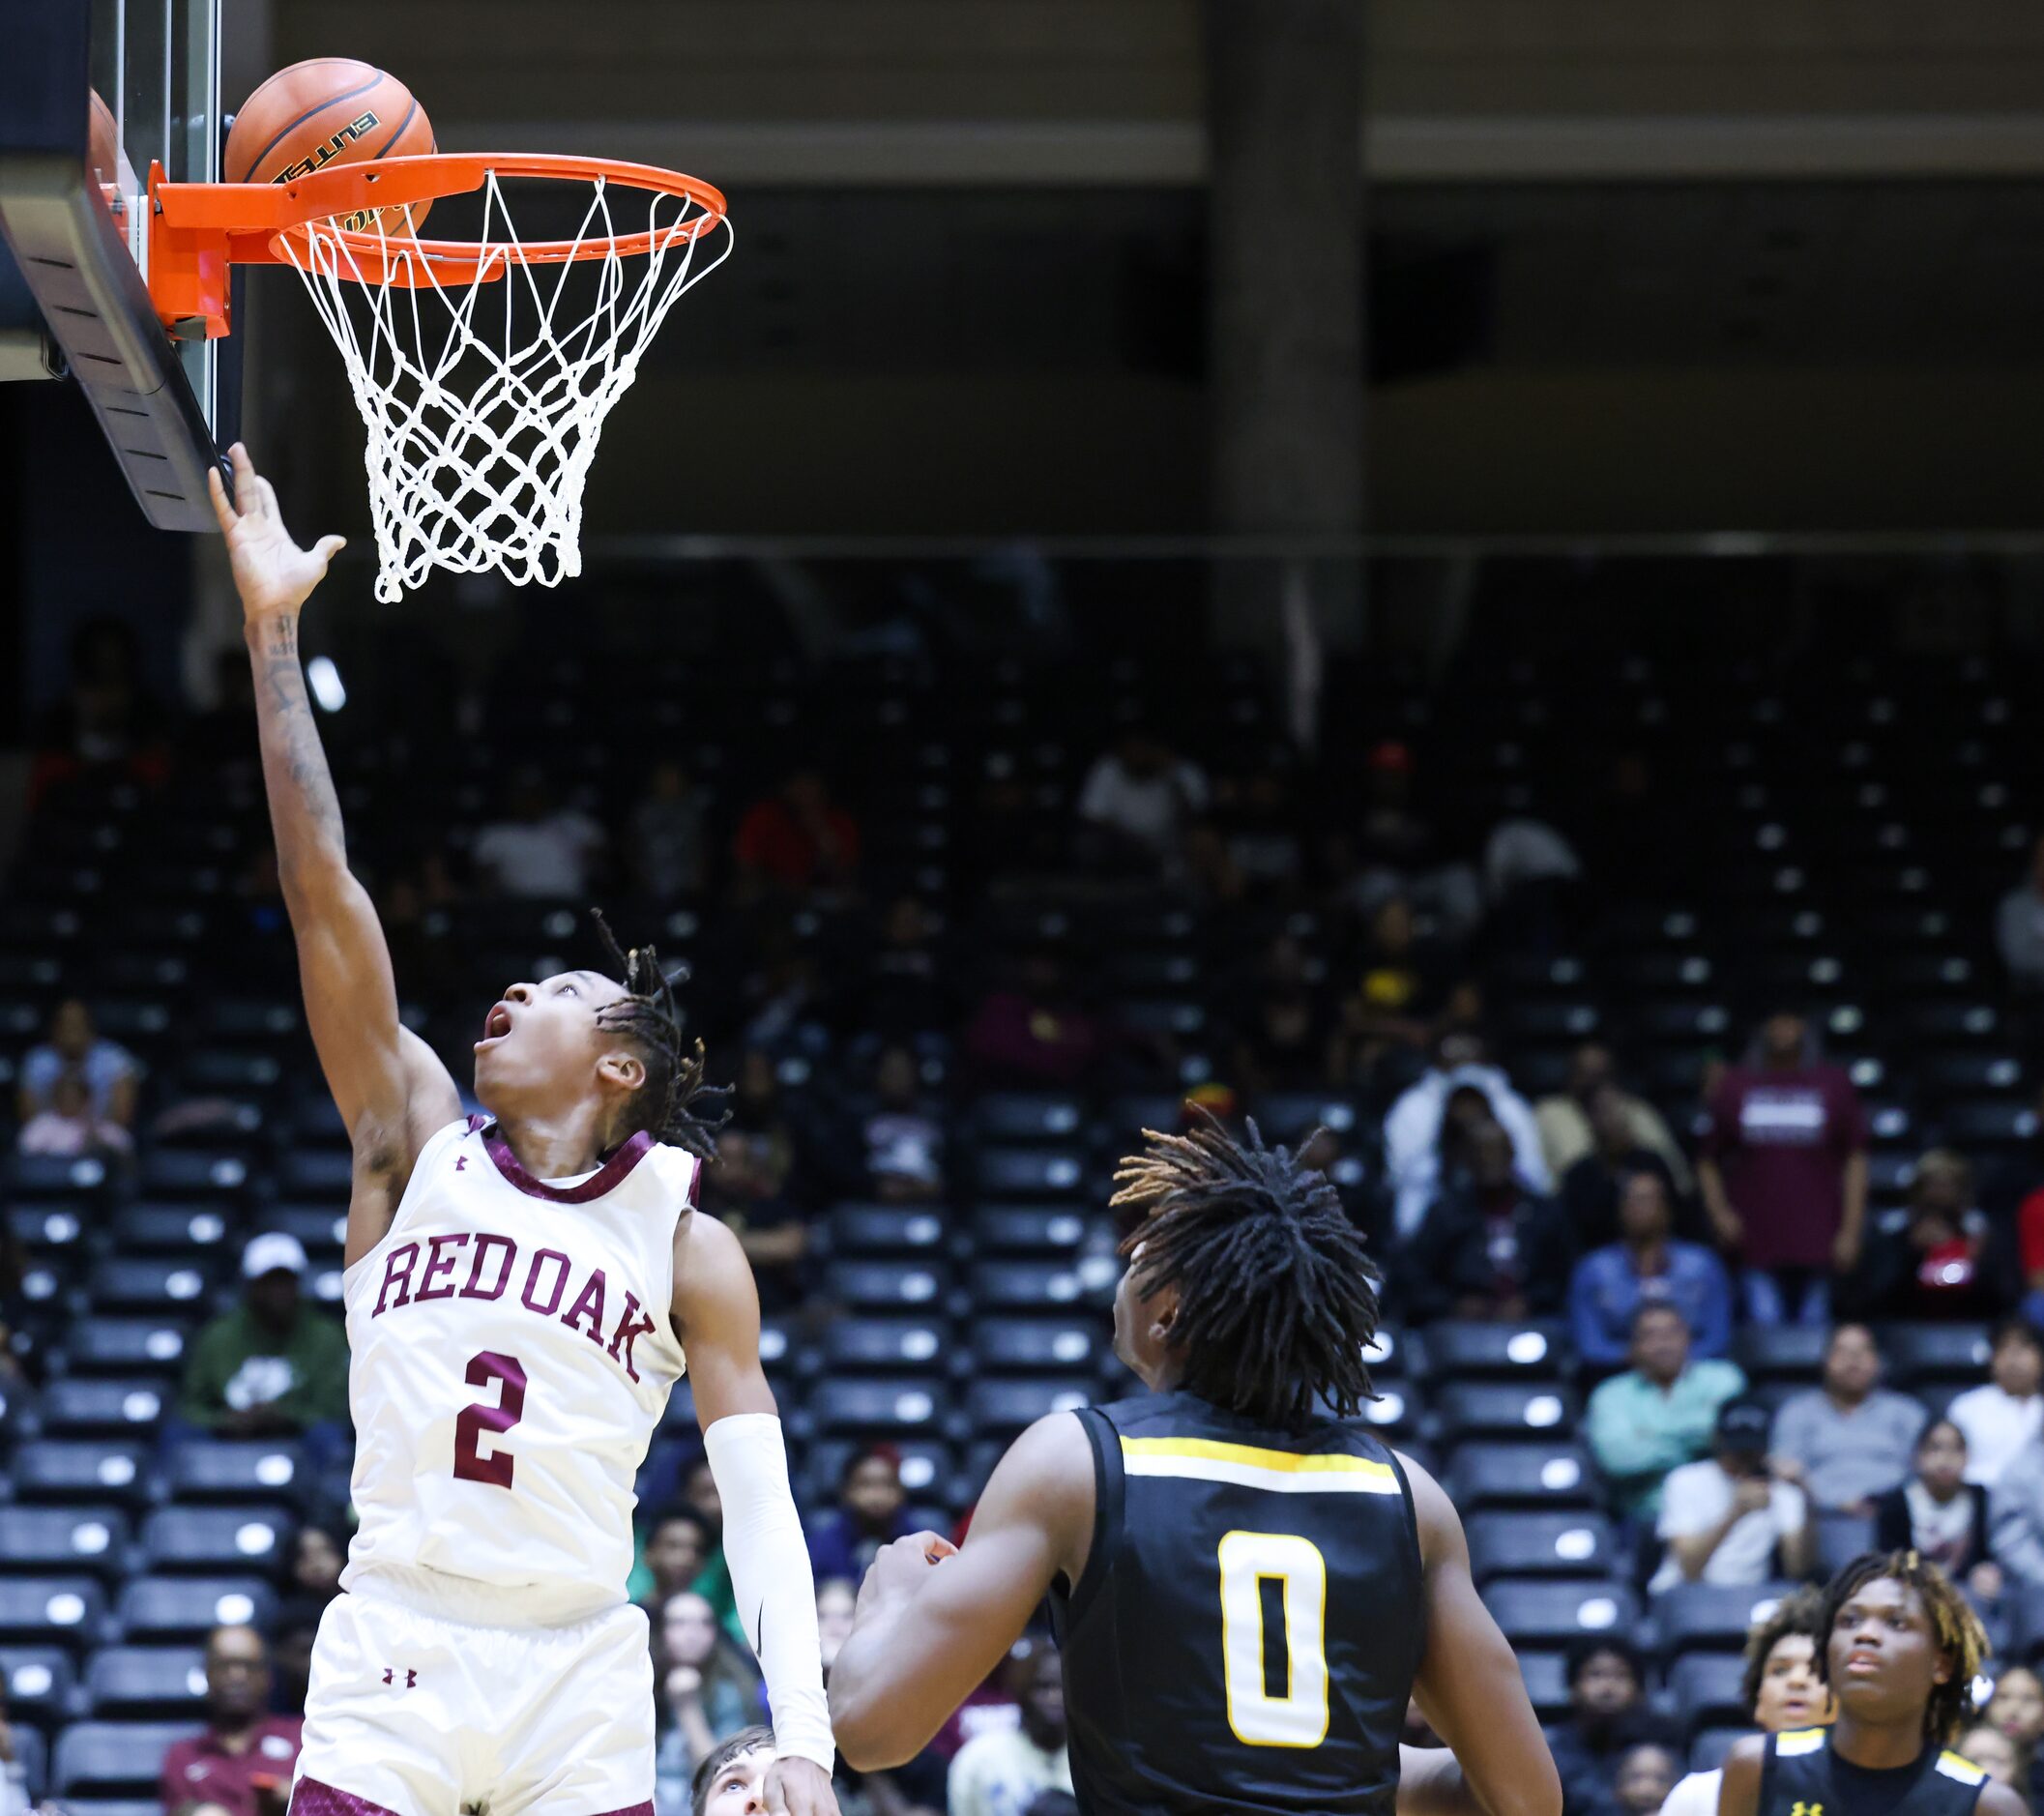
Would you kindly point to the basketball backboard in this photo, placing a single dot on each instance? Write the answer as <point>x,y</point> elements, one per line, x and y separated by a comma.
<point>130,83</point>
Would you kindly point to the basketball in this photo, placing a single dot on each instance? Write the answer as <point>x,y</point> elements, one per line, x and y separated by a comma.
<point>103,156</point>
<point>328,111</point>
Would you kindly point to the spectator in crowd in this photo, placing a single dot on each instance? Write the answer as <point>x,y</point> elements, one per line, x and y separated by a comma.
<point>1412,1130</point>
<point>797,839</point>
<point>243,1760</point>
<point>731,1782</point>
<point>1137,805</point>
<point>2019,925</point>
<point>1488,1249</point>
<point>1400,986</point>
<point>1591,1188</point>
<point>1783,1689</point>
<point>1282,1040</point>
<point>1784,1173</point>
<point>2016,1712</point>
<point>1032,1033</point>
<point>2007,1413</point>
<point>701,1502</point>
<point>1000,1772</point>
<point>106,722</point>
<point>67,1128</point>
<point>709,1690</point>
<point>1932,1269</point>
<point>872,1512</point>
<point>1661,1412</point>
<point>1647,1774</point>
<point>1940,1514</point>
<point>1648,1264</point>
<point>1568,1133</point>
<point>1395,851</point>
<point>1992,1750</point>
<point>1727,1518</point>
<point>906,992</point>
<point>538,850</point>
<point>756,1187</point>
<point>904,1143</point>
<point>677,1551</point>
<point>2030,1249</point>
<point>317,1556</point>
<point>13,1794</point>
<point>109,1070</point>
<point>276,1364</point>
<point>667,846</point>
<point>1530,877</point>
<point>1607,1714</point>
<point>907,1791</point>
<point>2016,1516</point>
<point>1851,1440</point>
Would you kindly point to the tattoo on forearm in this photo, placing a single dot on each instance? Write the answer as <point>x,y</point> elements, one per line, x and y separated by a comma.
<point>308,812</point>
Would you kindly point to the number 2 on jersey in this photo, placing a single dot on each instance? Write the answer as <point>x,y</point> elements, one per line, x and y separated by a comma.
<point>1298,1717</point>
<point>470,1464</point>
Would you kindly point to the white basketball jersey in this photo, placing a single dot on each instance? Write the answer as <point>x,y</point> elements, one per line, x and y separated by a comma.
<point>511,1358</point>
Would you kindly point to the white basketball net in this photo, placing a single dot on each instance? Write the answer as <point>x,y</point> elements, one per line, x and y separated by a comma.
<point>484,400</point>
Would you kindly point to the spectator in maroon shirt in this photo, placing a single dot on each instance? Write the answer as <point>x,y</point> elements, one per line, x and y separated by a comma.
<point>245,1759</point>
<point>797,838</point>
<point>1783,1171</point>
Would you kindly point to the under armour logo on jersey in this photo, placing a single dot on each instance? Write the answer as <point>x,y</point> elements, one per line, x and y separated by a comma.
<point>1807,1809</point>
<point>411,1677</point>
<point>461,1162</point>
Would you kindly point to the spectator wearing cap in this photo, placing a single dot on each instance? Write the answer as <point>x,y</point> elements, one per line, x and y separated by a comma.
<point>1661,1412</point>
<point>244,1761</point>
<point>1849,1440</point>
<point>1728,1520</point>
<point>1648,1265</point>
<point>274,1365</point>
<point>1783,1169</point>
<point>873,1512</point>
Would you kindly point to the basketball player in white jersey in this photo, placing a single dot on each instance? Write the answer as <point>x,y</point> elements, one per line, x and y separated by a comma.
<point>520,1289</point>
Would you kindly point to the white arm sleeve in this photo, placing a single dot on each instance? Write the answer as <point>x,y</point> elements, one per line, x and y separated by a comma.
<point>771,1580</point>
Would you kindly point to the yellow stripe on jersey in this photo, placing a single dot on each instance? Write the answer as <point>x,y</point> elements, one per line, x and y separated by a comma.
<point>1957,1766</point>
<point>1247,1466</point>
<point>1798,1741</point>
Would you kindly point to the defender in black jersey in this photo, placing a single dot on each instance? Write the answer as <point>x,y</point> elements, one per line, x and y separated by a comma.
<point>1900,1649</point>
<point>1247,1585</point>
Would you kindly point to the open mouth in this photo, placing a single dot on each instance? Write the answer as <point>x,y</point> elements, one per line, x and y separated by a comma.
<point>1863,1661</point>
<point>496,1025</point>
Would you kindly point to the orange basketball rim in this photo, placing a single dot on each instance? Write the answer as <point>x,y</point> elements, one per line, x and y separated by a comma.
<point>199,231</point>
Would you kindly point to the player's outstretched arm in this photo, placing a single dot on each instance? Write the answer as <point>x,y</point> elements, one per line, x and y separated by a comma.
<point>391,1089</point>
<point>716,1309</point>
<point>1468,1686</point>
<point>924,1637</point>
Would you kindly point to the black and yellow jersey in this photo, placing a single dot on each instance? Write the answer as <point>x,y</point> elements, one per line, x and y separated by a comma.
<point>1247,1630</point>
<point>1803,1777</point>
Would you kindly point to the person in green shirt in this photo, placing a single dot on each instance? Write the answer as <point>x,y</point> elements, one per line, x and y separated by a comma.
<point>1660,1414</point>
<point>274,1366</point>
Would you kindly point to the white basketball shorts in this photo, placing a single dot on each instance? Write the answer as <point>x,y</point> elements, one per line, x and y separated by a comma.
<point>423,1703</point>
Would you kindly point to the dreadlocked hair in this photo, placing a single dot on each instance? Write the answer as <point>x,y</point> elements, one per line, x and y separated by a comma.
<point>1954,1625</point>
<point>1276,1300</point>
<point>1800,1613</point>
<point>674,1104</point>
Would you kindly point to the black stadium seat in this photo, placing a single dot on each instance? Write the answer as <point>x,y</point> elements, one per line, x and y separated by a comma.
<point>1042,1231</point>
<point>146,1682</point>
<point>1458,1351</point>
<point>888,1285</point>
<point>1502,1410</point>
<point>1947,1354</point>
<point>1781,1352</point>
<point>126,1346</point>
<point>219,1469</point>
<point>65,1611</point>
<point>859,1231</point>
<point>1540,1544</point>
<point>79,1471</point>
<point>36,1681</point>
<point>1028,1116</point>
<point>215,1538</point>
<point>879,1407</point>
<point>1533,1476</point>
<point>1037,1345</point>
<point>141,1285</point>
<point>1710,1617</point>
<point>1707,1689</point>
<point>1001,1408</point>
<point>186,1608</point>
<point>855,1344</point>
<point>86,1406</point>
<point>40,1540</point>
<point>1544,1612</point>
<point>112,1758</point>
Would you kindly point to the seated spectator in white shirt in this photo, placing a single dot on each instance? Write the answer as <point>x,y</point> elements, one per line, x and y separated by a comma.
<point>1851,1440</point>
<point>1412,1128</point>
<point>1138,801</point>
<point>538,850</point>
<point>1726,1519</point>
<point>1940,1514</point>
<point>2015,1514</point>
<point>1000,1772</point>
<point>111,1072</point>
<point>68,1125</point>
<point>904,1146</point>
<point>2002,1417</point>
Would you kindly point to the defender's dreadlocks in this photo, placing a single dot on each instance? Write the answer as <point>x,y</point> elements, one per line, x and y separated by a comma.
<point>667,1103</point>
<point>1276,1299</point>
<point>1955,1629</point>
<point>1800,1613</point>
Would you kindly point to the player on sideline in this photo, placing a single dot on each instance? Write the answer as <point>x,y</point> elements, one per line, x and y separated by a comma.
<point>1900,1649</point>
<point>1246,1590</point>
<point>519,1287</point>
<point>1783,1689</point>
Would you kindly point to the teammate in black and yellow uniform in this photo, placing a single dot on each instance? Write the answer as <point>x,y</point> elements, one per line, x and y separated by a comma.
<point>1899,1648</point>
<point>1248,1586</point>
